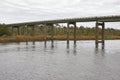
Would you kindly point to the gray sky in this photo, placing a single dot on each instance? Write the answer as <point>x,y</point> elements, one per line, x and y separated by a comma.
<point>12,11</point>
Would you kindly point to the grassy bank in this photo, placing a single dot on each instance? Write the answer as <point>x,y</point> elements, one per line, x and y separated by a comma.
<point>21,39</point>
<point>41,38</point>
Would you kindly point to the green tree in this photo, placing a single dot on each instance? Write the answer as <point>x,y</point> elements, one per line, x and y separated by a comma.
<point>4,31</point>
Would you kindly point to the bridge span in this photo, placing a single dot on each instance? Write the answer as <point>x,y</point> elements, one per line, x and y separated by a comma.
<point>100,22</point>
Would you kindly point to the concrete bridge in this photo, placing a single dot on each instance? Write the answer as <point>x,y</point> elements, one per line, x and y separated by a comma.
<point>100,21</point>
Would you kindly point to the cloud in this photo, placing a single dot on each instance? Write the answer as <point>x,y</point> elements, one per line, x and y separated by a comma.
<point>32,10</point>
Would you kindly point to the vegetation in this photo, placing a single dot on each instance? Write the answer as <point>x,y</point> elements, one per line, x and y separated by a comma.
<point>27,34</point>
<point>4,31</point>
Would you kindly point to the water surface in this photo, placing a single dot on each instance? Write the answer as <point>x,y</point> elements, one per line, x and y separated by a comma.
<point>19,61</point>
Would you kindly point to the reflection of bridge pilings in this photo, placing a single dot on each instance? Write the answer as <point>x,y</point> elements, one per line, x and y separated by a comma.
<point>100,51</point>
<point>74,51</point>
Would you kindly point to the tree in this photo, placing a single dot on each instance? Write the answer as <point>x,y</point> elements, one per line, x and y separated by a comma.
<point>4,31</point>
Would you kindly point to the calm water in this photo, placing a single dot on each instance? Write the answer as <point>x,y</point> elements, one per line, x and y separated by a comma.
<point>34,62</point>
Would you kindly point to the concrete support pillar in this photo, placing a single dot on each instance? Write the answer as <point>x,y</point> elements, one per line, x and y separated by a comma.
<point>12,30</point>
<point>103,35</point>
<point>52,35</point>
<point>68,33</point>
<point>33,30</point>
<point>33,34</point>
<point>18,30</point>
<point>75,34</point>
<point>45,35</point>
<point>96,35</point>
<point>97,41</point>
<point>26,30</point>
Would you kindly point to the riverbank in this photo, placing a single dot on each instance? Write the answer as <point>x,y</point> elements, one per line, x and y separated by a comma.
<point>41,38</point>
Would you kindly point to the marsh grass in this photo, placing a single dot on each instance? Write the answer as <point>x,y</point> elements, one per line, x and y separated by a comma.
<point>58,37</point>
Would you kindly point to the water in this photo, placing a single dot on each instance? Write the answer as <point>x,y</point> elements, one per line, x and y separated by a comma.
<point>34,62</point>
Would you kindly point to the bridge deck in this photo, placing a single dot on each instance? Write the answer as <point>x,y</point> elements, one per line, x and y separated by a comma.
<point>84,19</point>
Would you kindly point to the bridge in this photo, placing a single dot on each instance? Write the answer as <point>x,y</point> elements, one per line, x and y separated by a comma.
<point>100,21</point>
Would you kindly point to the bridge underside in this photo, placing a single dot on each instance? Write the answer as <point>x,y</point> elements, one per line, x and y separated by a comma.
<point>100,21</point>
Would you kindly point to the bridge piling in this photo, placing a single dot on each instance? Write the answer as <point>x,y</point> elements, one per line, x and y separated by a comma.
<point>96,35</point>
<point>97,41</point>
<point>103,35</point>
<point>26,29</point>
<point>52,35</point>
<point>75,34</point>
<point>18,30</point>
<point>68,32</point>
<point>12,30</point>
<point>33,34</point>
<point>45,35</point>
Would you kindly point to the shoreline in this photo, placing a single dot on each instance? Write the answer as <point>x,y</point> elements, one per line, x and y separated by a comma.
<point>41,38</point>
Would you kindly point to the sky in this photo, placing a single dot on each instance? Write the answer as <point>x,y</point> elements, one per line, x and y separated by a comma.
<point>15,11</point>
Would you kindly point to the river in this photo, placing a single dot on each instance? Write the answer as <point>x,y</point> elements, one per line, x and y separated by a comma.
<point>19,61</point>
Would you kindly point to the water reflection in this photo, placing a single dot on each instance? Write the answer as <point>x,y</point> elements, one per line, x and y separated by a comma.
<point>26,42</point>
<point>68,50</point>
<point>84,62</point>
<point>33,42</point>
<point>18,48</point>
<point>74,51</point>
<point>101,70</point>
<point>33,47</point>
<point>100,51</point>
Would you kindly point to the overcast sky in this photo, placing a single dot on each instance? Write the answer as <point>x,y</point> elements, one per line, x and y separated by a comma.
<point>12,11</point>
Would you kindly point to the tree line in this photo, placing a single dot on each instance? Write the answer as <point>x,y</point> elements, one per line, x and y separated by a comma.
<point>81,31</point>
